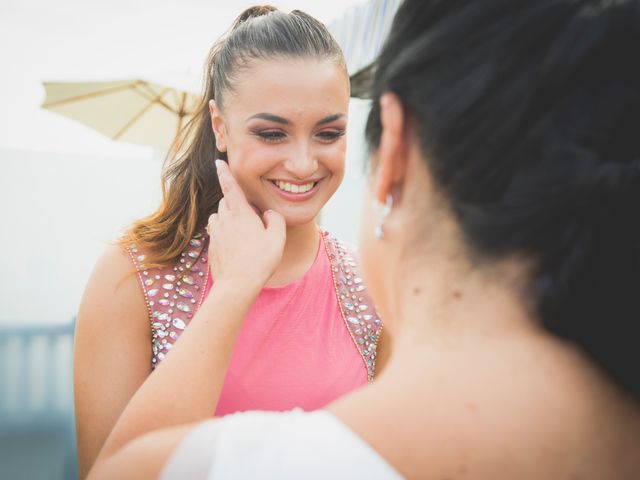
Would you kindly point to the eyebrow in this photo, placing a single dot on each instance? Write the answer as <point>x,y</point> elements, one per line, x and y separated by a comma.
<point>278,119</point>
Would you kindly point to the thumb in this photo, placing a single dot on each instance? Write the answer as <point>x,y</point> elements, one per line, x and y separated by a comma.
<point>274,222</point>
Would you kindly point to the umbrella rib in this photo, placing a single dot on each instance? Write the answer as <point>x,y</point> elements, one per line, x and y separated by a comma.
<point>158,97</point>
<point>138,115</point>
<point>86,96</point>
<point>150,94</point>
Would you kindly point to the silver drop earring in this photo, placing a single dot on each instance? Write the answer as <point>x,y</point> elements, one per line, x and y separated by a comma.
<point>381,211</point>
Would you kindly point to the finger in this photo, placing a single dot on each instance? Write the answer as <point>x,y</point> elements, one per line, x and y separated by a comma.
<point>213,220</point>
<point>274,223</point>
<point>222,206</point>
<point>232,192</point>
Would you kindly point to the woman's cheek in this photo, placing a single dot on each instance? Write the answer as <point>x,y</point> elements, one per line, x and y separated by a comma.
<point>335,158</point>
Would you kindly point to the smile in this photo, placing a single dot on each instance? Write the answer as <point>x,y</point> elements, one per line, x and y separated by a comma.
<point>293,187</point>
<point>295,192</point>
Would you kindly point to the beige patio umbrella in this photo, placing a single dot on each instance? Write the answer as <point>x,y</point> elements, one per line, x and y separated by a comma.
<point>133,110</point>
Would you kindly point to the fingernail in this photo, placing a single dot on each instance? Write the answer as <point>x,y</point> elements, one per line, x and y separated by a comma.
<point>219,163</point>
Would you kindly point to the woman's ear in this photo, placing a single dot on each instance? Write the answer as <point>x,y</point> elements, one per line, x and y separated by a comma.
<point>392,155</point>
<point>217,124</point>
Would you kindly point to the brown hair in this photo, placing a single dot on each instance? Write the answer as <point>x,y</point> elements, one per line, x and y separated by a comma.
<point>190,188</point>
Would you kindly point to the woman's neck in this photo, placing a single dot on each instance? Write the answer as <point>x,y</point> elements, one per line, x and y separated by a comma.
<point>299,252</point>
<point>444,304</point>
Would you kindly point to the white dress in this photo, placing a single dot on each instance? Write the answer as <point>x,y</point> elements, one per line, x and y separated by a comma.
<point>278,445</point>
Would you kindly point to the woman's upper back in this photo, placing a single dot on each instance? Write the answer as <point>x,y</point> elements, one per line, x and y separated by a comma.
<point>531,408</point>
<point>574,424</point>
<point>301,345</point>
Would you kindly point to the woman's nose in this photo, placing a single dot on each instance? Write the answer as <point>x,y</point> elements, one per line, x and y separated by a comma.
<point>302,163</point>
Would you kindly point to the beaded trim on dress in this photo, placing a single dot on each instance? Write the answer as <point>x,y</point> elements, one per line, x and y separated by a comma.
<point>173,295</point>
<point>357,308</point>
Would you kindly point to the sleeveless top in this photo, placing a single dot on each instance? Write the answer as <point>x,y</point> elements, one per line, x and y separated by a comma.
<point>301,345</point>
<point>282,445</point>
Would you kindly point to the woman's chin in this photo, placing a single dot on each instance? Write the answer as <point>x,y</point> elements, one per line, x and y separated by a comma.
<point>293,221</point>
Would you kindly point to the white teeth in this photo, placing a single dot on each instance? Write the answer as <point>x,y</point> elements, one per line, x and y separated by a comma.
<point>291,188</point>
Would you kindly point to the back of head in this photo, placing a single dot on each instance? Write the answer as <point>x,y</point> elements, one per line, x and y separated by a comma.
<point>529,116</point>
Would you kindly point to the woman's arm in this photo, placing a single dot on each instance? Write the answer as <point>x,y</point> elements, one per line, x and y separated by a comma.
<point>243,253</point>
<point>145,457</point>
<point>112,351</point>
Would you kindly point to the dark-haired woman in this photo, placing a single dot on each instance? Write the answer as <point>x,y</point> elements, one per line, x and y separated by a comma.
<point>275,107</point>
<point>505,261</point>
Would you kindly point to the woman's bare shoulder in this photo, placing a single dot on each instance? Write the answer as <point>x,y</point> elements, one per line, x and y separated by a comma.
<point>114,289</point>
<point>546,412</point>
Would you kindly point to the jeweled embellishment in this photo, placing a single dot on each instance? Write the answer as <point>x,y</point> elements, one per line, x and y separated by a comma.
<point>185,293</point>
<point>183,307</point>
<point>167,284</point>
<point>365,328</point>
<point>179,324</point>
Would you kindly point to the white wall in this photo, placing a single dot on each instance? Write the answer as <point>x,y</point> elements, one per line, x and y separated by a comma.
<point>58,212</point>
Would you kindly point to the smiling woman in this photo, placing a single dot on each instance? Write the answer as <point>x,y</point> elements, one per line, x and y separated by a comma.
<point>275,108</point>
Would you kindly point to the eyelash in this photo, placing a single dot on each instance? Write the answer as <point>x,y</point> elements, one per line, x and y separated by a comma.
<point>274,136</point>
<point>271,136</point>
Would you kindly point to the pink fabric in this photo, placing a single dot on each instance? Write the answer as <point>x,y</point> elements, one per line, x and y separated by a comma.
<point>294,349</point>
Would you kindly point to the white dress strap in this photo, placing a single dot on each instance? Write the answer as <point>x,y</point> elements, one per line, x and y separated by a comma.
<point>282,445</point>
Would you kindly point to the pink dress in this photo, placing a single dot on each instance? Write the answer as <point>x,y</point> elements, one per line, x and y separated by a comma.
<point>301,345</point>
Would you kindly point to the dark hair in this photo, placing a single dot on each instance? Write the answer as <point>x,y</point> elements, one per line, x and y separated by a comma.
<point>190,185</point>
<point>529,116</point>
